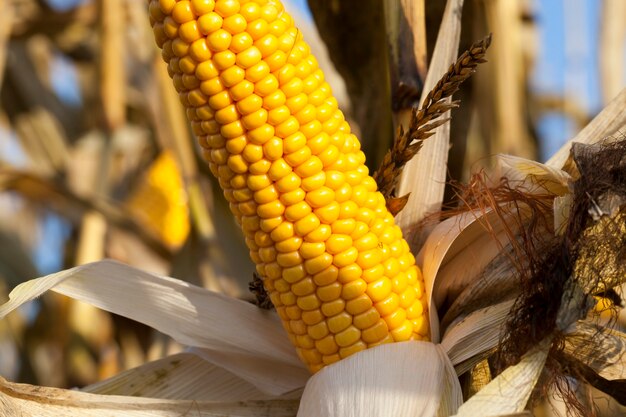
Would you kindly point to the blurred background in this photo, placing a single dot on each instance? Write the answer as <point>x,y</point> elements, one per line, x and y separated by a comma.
<point>97,160</point>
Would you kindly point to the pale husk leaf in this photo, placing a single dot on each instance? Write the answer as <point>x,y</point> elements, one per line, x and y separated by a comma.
<point>398,379</point>
<point>465,267</point>
<point>450,239</point>
<point>606,355</point>
<point>28,400</point>
<point>494,283</point>
<point>233,329</point>
<point>281,376</point>
<point>478,333</point>
<point>183,376</point>
<point>532,176</point>
<point>425,175</point>
<point>561,208</point>
<point>509,392</point>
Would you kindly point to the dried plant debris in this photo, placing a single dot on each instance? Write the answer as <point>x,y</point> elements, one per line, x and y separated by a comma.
<point>261,297</point>
<point>560,281</point>
<point>424,122</point>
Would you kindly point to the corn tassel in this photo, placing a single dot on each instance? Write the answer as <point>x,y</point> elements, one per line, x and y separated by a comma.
<point>337,268</point>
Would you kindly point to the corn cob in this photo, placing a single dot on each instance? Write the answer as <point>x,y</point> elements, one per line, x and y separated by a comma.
<point>336,267</point>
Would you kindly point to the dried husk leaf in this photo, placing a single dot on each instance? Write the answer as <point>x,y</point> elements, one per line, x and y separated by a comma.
<point>496,282</point>
<point>532,176</point>
<point>397,379</point>
<point>183,376</point>
<point>467,340</point>
<point>425,175</point>
<point>451,239</point>
<point>465,268</point>
<point>606,355</point>
<point>28,400</point>
<point>235,335</point>
<point>509,392</point>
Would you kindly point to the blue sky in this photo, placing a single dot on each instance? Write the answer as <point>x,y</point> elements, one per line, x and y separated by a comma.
<point>567,63</point>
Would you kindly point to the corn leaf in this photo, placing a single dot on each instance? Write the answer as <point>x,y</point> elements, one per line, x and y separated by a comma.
<point>397,379</point>
<point>234,329</point>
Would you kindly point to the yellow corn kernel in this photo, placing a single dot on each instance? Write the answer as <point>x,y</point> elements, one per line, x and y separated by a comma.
<point>332,308</point>
<point>293,197</point>
<point>329,292</point>
<point>294,274</point>
<point>350,273</point>
<point>353,289</point>
<point>420,325</point>
<point>182,12</point>
<point>333,262</point>
<point>356,347</point>
<point>403,331</point>
<point>227,7</point>
<point>297,211</point>
<point>318,331</point>
<point>395,319</point>
<point>348,336</point>
<point>297,326</point>
<point>305,341</point>
<point>200,7</point>
<point>311,318</point>
<point>209,23</point>
<point>283,231</point>
<point>306,225</point>
<point>309,302</point>
<point>310,250</point>
<point>327,345</point>
<point>318,264</point>
<point>288,183</point>
<point>290,246</point>
<point>375,333</point>
<point>249,57</point>
<point>328,214</point>
<point>327,276</point>
<point>321,234</point>
<point>367,319</point>
<point>240,42</point>
<point>359,305</point>
<point>345,258</point>
<point>339,322</point>
<point>260,167</point>
<point>235,24</point>
<point>304,287</point>
<point>250,11</point>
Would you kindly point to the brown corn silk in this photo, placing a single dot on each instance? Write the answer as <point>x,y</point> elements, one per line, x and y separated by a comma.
<point>337,268</point>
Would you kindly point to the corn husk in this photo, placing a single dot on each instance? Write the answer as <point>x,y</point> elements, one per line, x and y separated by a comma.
<point>416,380</point>
<point>28,400</point>
<point>223,327</point>
<point>426,173</point>
<point>508,392</point>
